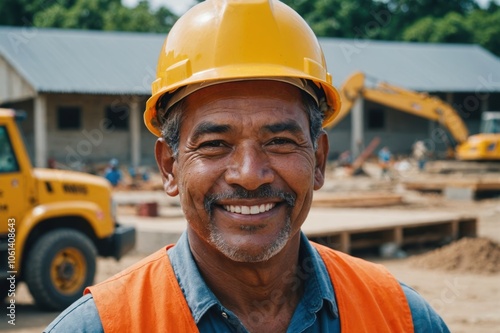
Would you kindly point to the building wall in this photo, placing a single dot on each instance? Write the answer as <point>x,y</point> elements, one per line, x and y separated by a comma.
<point>94,143</point>
<point>399,132</point>
<point>12,86</point>
<point>147,147</point>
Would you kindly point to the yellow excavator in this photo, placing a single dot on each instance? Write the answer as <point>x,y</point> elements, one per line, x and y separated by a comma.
<point>483,146</point>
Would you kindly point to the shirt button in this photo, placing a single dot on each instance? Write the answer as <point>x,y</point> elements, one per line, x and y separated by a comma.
<point>224,315</point>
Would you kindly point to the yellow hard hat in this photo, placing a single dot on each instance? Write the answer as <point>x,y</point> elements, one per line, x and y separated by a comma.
<point>224,40</point>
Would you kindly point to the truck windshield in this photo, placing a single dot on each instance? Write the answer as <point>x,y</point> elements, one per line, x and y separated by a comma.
<point>491,126</point>
<point>8,162</point>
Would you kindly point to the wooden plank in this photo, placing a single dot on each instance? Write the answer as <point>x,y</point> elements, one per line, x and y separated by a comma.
<point>370,228</point>
<point>325,221</point>
<point>398,236</point>
<point>477,184</point>
<point>361,199</point>
<point>345,242</point>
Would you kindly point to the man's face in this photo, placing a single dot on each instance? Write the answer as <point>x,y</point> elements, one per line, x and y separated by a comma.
<point>246,167</point>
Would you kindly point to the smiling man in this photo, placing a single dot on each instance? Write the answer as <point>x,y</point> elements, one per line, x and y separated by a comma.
<point>241,96</point>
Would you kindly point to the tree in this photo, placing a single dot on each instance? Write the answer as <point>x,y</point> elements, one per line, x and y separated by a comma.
<point>86,14</point>
<point>485,27</point>
<point>450,29</point>
<point>407,12</point>
<point>140,19</point>
<point>457,21</point>
<point>343,18</point>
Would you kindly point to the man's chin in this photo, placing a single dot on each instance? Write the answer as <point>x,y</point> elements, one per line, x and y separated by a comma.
<point>245,256</point>
<point>250,252</point>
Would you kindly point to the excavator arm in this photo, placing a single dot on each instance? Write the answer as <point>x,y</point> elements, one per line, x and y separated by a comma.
<point>418,104</point>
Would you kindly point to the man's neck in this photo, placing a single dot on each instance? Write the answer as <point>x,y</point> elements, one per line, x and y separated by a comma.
<point>263,295</point>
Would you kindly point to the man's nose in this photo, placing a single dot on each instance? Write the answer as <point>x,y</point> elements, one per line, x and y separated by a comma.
<point>249,167</point>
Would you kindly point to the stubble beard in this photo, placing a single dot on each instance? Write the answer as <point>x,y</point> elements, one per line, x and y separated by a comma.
<point>239,255</point>
<point>234,253</point>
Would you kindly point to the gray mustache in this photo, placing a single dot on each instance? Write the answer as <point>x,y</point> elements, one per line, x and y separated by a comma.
<point>263,192</point>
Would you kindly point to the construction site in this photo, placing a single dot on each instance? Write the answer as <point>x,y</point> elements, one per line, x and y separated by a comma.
<point>438,230</point>
<point>411,158</point>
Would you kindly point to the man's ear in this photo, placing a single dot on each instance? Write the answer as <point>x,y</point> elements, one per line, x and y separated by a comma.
<point>166,164</point>
<point>321,159</point>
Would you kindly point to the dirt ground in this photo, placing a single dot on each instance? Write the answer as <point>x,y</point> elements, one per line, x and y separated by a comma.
<point>468,302</point>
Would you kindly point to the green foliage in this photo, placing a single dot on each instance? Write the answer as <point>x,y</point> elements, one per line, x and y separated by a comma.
<point>420,31</point>
<point>86,14</point>
<point>480,26</point>
<point>443,21</point>
<point>485,26</point>
<point>450,29</point>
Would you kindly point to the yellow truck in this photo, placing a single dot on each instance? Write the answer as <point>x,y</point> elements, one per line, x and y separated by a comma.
<point>480,147</point>
<point>53,225</point>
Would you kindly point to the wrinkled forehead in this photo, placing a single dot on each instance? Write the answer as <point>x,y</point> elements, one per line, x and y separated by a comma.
<point>248,100</point>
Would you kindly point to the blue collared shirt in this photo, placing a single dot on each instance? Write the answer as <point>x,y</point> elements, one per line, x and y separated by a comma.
<point>316,312</point>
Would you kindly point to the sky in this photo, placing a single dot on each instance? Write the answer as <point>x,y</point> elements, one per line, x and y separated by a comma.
<point>180,6</point>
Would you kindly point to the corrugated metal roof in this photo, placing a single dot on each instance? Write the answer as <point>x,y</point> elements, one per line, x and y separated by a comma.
<point>72,61</point>
<point>416,66</point>
<point>96,62</point>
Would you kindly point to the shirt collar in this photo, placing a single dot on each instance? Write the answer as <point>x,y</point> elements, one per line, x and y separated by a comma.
<point>198,296</point>
<point>318,288</point>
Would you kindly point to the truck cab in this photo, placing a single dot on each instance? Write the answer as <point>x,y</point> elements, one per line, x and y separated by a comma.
<point>53,225</point>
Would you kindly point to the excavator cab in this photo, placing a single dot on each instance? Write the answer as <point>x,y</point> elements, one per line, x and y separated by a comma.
<point>486,144</point>
<point>490,122</point>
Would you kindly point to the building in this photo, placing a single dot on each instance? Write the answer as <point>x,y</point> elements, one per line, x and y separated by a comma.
<point>464,75</point>
<point>84,91</point>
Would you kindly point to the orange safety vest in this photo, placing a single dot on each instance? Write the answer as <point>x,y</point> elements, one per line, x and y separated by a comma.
<point>146,297</point>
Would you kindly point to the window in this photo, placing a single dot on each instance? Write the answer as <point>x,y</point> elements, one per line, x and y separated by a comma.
<point>118,117</point>
<point>8,162</point>
<point>69,118</point>
<point>376,119</point>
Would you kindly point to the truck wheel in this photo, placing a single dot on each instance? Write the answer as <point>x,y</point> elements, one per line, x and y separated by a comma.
<point>59,267</point>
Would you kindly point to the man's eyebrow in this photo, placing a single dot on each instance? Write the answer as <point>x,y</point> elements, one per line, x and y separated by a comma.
<point>208,127</point>
<point>287,126</point>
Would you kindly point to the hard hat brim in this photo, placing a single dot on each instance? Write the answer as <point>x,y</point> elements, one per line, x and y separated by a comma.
<point>248,73</point>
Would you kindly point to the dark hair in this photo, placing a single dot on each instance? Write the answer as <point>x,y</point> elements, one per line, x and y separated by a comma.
<point>172,119</point>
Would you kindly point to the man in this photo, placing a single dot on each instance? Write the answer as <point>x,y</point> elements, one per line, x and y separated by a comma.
<point>113,173</point>
<point>385,161</point>
<point>239,103</point>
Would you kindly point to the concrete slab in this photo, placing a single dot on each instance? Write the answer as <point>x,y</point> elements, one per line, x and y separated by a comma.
<point>459,193</point>
<point>340,228</point>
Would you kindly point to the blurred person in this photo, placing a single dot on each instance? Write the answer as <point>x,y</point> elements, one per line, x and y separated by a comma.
<point>385,162</point>
<point>113,173</point>
<point>420,152</point>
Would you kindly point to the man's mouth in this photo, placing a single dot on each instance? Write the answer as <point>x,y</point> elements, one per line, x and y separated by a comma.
<point>249,210</point>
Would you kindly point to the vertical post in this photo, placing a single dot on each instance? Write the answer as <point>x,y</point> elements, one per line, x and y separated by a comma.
<point>485,104</point>
<point>40,125</point>
<point>357,140</point>
<point>135,132</point>
<point>449,98</point>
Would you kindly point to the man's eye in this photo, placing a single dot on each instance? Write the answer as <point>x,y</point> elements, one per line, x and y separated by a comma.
<point>281,141</point>
<point>212,144</point>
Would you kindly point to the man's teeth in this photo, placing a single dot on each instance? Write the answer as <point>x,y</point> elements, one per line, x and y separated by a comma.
<point>249,210</point>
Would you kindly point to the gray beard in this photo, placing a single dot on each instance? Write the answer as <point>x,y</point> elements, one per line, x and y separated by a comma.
<point>265,191</point>
<point>238,255</point>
